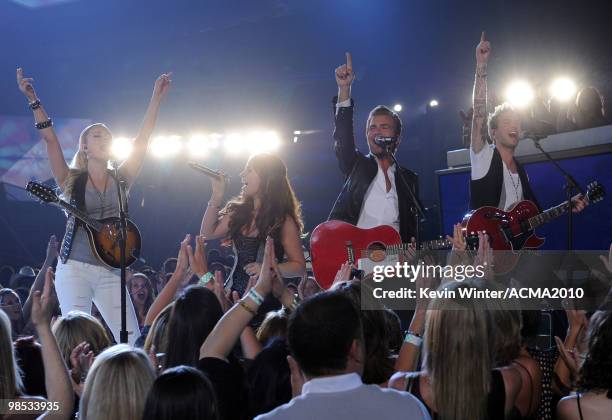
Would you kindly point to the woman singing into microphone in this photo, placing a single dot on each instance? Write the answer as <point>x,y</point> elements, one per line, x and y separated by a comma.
<point>81,278</point>
<point>266,206</point>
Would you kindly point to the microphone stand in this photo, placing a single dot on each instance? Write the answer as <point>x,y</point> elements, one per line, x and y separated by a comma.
<point>417,207</point>
<point>121,188</point>
<point>569,187</point>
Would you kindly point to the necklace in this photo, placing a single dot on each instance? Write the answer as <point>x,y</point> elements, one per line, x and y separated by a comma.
<point>516,186</point>
<point>101,195</point>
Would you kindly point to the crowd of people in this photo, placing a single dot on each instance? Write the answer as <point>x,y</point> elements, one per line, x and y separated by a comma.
<point>215,338</point>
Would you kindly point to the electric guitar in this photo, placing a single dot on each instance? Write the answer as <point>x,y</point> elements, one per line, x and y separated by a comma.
<point>103,234</point>
<point>515,230</point>
<point>334,242</point>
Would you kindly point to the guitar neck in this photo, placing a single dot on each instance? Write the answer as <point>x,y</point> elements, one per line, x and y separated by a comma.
<point>82,216</point>
<point>548,215</point>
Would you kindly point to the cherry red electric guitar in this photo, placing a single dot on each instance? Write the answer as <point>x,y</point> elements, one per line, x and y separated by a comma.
<point>515,230</point>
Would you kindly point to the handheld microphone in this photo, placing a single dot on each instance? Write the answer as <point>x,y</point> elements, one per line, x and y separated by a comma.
<point>385,141</point>
<point>531,135</point>
<point>209,172</point>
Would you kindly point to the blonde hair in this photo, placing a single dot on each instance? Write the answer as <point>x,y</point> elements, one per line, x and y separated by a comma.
<point>117,385</point>
<point>10,377</point>
<point>459,352</point>
<point>158,333</point>
<point>78,165</point>
<point>273,325</point>
<point>76,327</point>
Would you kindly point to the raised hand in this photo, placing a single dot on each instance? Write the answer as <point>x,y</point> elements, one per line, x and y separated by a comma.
<point>197,259</point>
<point>483,50</point>
<point>162,85</point>
<point>182,263</point>
<point>343,274</point>
<point>269,278</point>
<point>52,252</point>
<point>344,73</point>
<point>42,303</point>
<point>25,85</point>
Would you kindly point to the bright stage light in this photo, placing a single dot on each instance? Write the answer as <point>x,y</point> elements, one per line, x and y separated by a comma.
<point>519,93</point>
<point>233,143</point>
<point>163,147</point>
<point>295,139</point>
<point>433,103</point>
<point>563,89</point>
<point>198,145</point>
<point>121,147</point>
<point>397,107</point>
<point>263,141</point>
<point>297,132</point>
<point>214,140</point>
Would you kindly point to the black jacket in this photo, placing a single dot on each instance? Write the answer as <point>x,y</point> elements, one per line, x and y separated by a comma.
<point>360,170</point>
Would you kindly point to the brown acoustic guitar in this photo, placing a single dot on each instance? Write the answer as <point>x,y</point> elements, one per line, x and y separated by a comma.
<point>103,234</point>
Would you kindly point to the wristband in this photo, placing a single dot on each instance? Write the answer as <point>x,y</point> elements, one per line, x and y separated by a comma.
<point>34,104</point>
<point>257,298</point>
<point>205,278</point>
<point>44,124</point>
<point>413,339</point>
<point>247,308</point>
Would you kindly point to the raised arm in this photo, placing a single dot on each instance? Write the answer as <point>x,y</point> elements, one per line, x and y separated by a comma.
<point>58,164</point>
<point>39,282</point>
<point>344,137</point>
<point>131,167</point>
<point>166,296</point>
<point>57,381</point>
<point>223,337</point>
<point>479,97</point>
<point>213,226</point>
<point>295,266</point>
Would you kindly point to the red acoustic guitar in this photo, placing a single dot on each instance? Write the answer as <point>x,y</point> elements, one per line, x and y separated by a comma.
<point>334,242</point>
<point>515,230</point>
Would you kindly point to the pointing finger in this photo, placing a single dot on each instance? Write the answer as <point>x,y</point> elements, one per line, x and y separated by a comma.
<point>483,37</point>
<point>349,62</point>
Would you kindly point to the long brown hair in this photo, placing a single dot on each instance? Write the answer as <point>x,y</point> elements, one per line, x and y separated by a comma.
<point>78,165</point>
<point>278,201</point>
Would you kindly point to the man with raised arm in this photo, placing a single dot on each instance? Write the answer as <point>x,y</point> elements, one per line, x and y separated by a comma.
<point>372,194</point>
<point>497,179</point>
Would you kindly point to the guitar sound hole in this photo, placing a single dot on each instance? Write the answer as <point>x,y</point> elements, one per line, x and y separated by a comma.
<point>377,251</point>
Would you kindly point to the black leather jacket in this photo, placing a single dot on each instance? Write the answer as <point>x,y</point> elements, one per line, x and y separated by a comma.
<point>360,170</point>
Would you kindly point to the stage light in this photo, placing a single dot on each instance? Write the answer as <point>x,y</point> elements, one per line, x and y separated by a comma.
<point>295,139</point>
<point>519,93</point>
<point>214,139</point>
<point>261,142</point>
<point>397,107</point>
<point>163,147</point>
<point>297,132</point>
<point>233,143</point>
<point>433,103</point>
<point>198,145</point>
<point>271,141</point>
<point>121,147</point>
<point>563,89</point>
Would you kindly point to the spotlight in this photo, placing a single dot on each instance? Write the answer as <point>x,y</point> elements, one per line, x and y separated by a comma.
<point>519,93</point>
<point>233,143</point>
<point>260,142</point>
<point>121,147</point>
<point>563,89</point>
<point>295,139</point>
<point>198,145</point>
<point>214,139</point>
<point>163,147</point>
<point>433,103</point>
<point>397,107</point>
<point>297,132</point>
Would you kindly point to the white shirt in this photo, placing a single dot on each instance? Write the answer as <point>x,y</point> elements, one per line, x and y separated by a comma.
<point>512,190</point>
<point>345,397</point>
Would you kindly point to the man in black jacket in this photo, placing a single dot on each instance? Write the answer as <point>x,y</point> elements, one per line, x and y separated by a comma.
<point>372,194</point>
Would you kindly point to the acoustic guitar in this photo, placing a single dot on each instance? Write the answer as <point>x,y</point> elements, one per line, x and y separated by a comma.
<point>103,234</point>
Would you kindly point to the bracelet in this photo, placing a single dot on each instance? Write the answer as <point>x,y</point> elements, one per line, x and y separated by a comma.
<point>44,124</point>
<point>246,307</point>
<point>294,304</point>
<point>205,279</point>
<point>257,298</point>
<point>413,339</point>
<point>34,105</point>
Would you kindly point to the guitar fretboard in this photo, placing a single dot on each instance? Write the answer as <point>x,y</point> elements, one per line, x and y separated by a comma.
<point>548,215</point>
<point>80,215</point>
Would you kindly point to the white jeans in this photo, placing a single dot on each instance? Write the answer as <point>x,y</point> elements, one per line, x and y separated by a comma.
<point>79,284</point>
